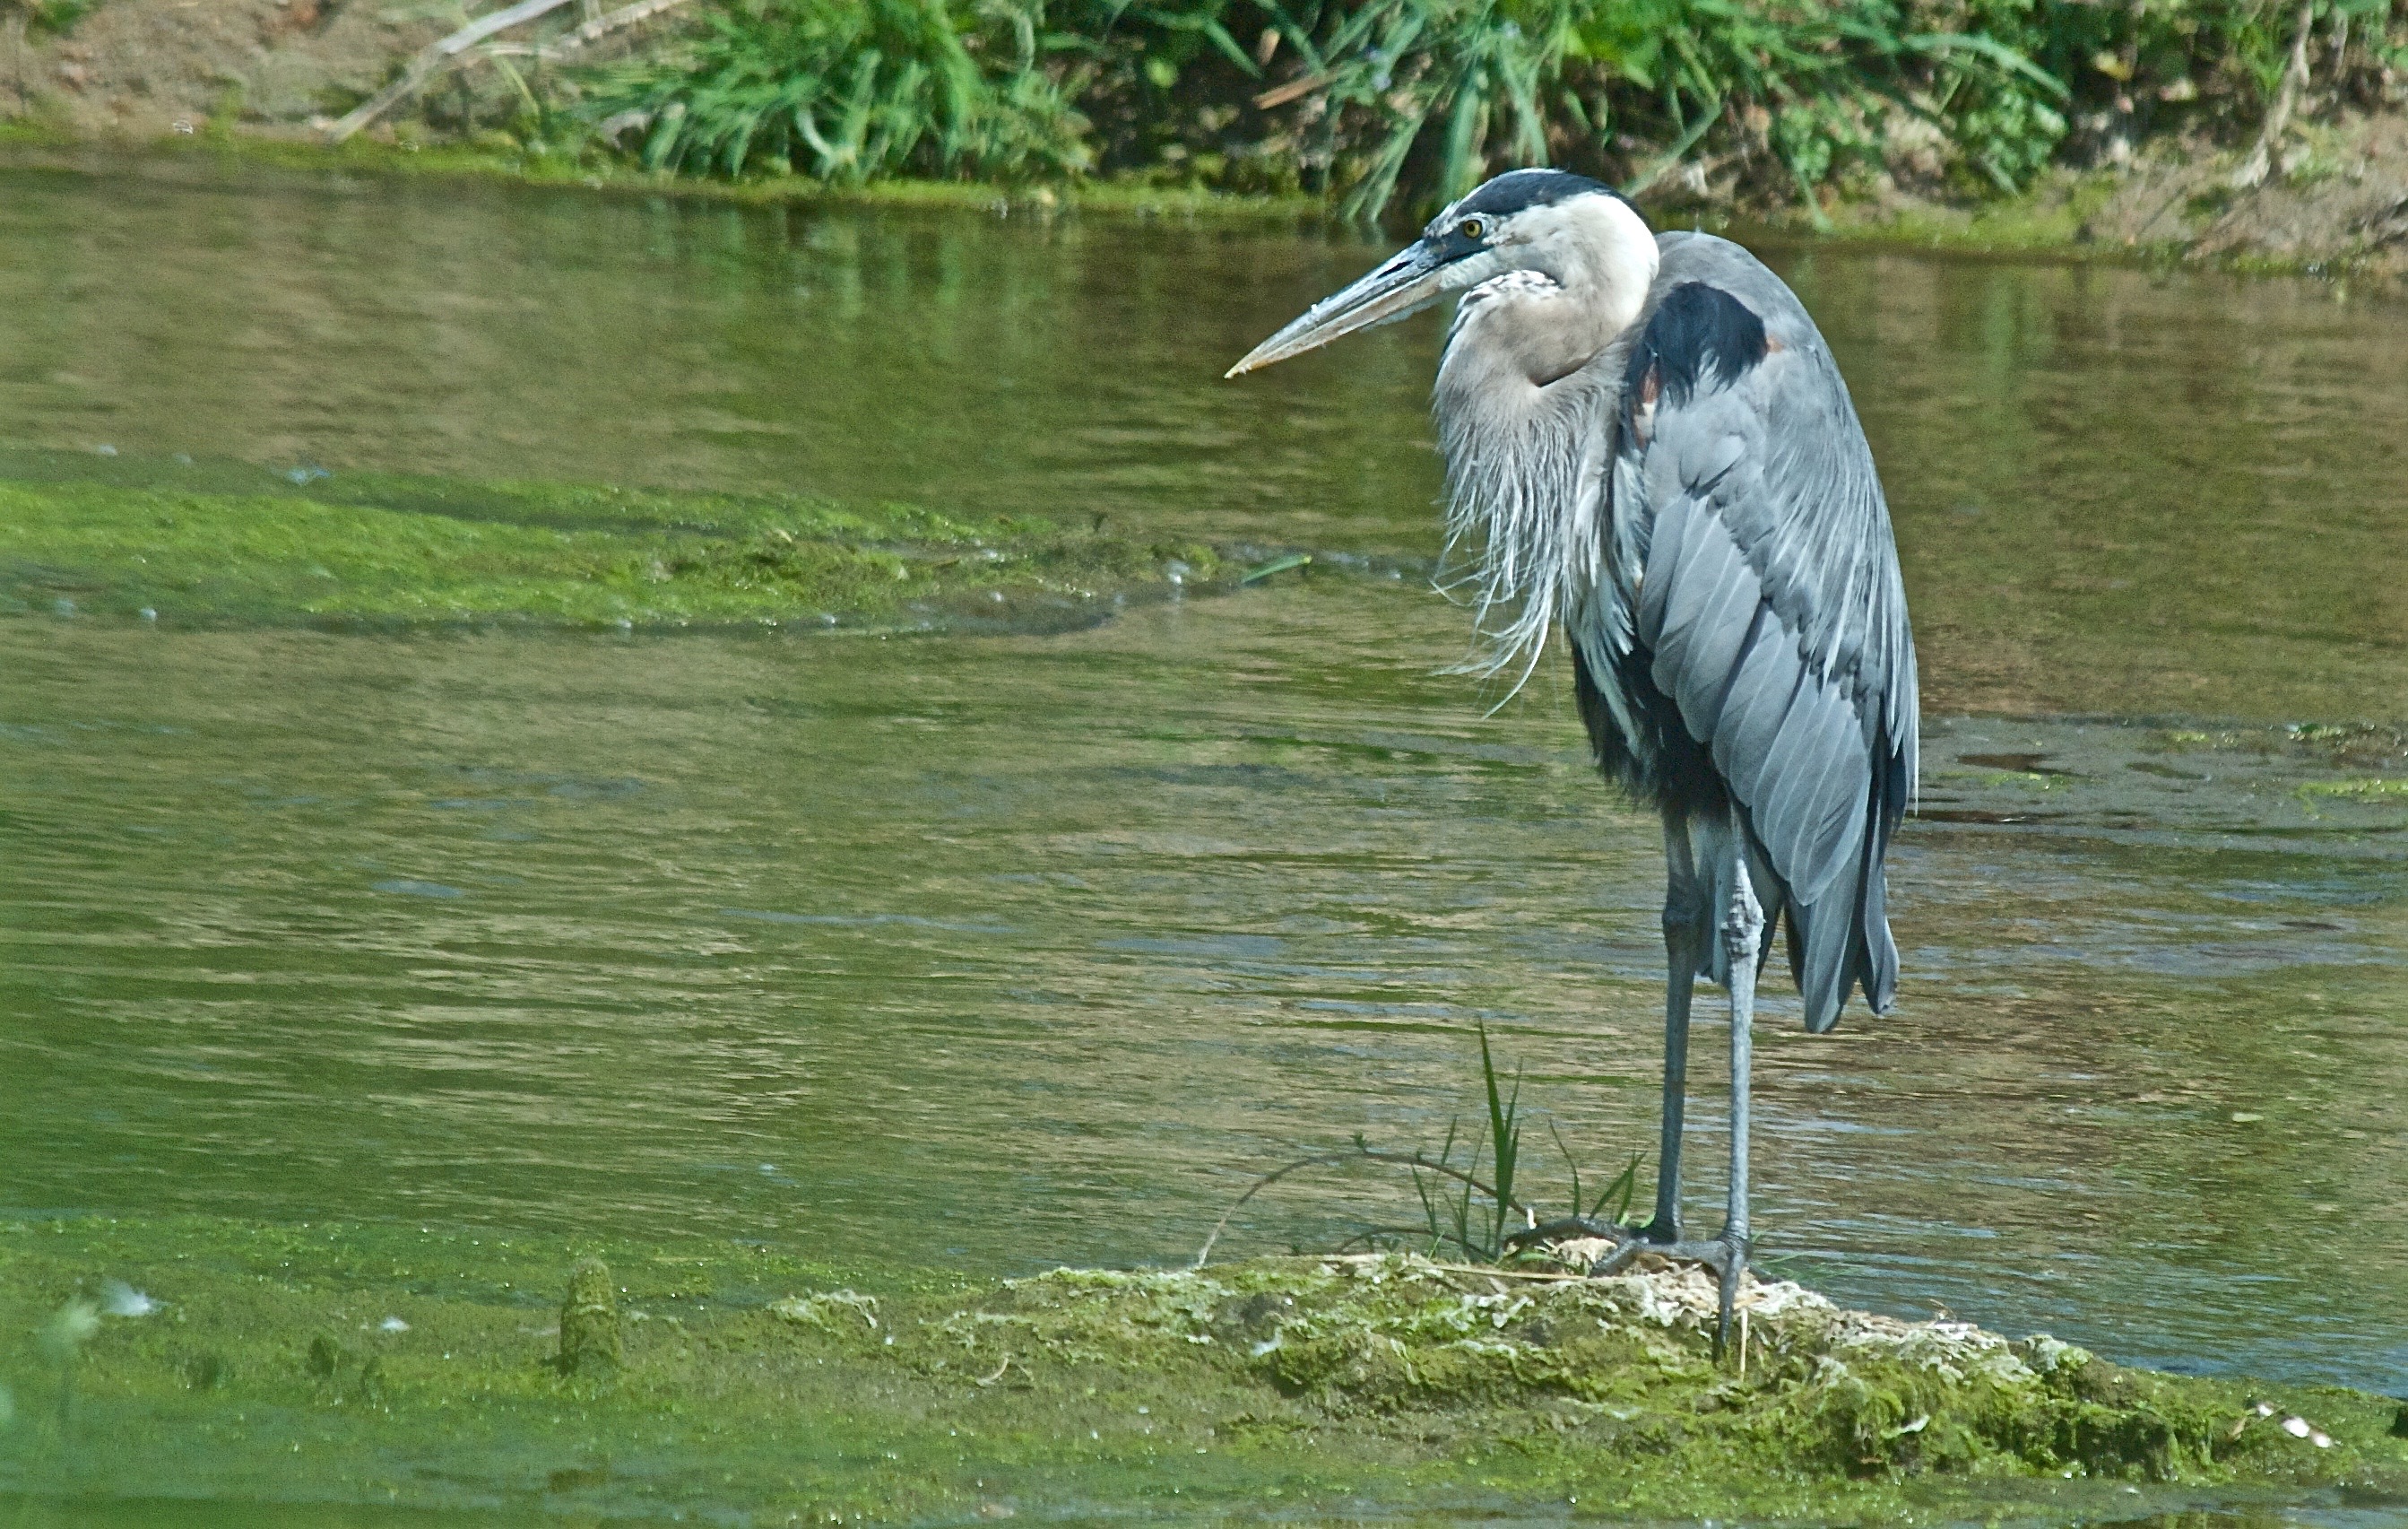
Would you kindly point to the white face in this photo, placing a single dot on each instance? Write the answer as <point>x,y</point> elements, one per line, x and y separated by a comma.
<point>1592,243</point>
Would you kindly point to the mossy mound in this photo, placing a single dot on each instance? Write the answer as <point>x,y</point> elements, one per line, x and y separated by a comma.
<point>1810,1389</point>
<point>205,1359</point>
<point>385,548</point>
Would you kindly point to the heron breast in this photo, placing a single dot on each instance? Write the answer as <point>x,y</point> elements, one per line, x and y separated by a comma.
<point>1526,321</point>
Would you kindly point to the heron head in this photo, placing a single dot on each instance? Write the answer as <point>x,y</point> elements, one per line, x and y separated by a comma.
<point>1582,234</point>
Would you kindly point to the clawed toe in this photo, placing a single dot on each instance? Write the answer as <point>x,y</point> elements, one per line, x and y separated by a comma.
<point>1722,1254</point>
<point>1727,1256</point>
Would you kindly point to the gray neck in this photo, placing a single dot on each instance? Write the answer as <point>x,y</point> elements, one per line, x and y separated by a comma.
<point>1527,446</point>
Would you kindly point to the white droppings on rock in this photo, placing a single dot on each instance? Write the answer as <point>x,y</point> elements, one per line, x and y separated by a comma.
<point>820,1308</point>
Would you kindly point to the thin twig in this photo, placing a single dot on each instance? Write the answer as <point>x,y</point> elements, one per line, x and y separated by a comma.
<point>454,49</point>
<point>1544,1276</point>
<point>1279,95</point>
<point>602,26</point>
<point>1258,1187</point>
<point>2295,79</point>
<point>1407,1231</point>
<point>1334,1159</point>
<point>431,60</point>
<point>1672,156</point>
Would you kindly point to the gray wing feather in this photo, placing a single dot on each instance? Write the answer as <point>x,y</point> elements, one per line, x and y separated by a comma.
<point>1772,606</point>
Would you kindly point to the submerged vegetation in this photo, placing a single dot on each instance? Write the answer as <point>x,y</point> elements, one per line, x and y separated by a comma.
<point>383,547</point>
<point>1375,103</point>
<point>329,1364</point>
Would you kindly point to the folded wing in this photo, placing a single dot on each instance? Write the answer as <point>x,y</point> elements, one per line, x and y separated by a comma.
<point>1762,598</point>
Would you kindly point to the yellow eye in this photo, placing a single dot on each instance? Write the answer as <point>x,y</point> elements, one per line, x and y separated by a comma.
<point>1473,228</point>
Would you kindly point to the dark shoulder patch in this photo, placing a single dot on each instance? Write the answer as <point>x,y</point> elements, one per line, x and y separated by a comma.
<point>1697,329</point>
<point>1517,191</point>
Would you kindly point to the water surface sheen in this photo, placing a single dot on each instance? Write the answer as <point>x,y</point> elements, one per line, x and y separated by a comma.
<point>999,952</point>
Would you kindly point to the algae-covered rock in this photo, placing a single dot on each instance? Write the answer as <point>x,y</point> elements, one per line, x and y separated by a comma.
<point>386,549</point>
<point>1335,1388</point>
<point>589,1341</point>
<point>1813,1388</point>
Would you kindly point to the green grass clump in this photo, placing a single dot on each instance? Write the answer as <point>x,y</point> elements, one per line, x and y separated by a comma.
<point>846,91</point>
<point>20,18</point>
<point>1361,100</point>
<point>376,548</point>
<point>1373,104</point>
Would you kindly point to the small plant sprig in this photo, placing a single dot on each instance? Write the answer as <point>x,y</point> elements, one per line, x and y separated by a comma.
<point>1460,1208</point>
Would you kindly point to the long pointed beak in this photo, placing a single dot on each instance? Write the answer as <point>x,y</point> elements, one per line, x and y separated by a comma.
<point>1405,283</point>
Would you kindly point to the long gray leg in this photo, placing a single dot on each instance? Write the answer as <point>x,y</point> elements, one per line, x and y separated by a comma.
<point>1740,926</point>
<point>1684,927</point>
<point>1686,921</point>
<point>1742,933</point>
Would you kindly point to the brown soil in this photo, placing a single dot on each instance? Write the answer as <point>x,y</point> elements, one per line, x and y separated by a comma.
<point>142,70</point>
<point>2339,195</point>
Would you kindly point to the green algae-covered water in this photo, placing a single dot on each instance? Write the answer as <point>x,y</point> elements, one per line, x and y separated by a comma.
<point>987,952</point>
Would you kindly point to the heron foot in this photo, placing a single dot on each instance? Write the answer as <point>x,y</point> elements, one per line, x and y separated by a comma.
<point>1658,1232</point>
<point>1654,1234</point>
<point>1725,1255</point>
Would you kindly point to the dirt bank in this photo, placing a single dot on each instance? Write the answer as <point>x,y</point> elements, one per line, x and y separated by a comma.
<point>2339,196</point>
<point>141,70</point>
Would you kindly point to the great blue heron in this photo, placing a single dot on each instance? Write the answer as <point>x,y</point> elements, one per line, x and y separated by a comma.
<point>1647,442</point>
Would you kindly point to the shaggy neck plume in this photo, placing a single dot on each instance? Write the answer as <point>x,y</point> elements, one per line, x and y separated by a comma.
<point>1525,489</point>
<point>1526,402</point>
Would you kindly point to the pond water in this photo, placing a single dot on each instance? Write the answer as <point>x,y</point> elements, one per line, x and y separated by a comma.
<point>997,952</point>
